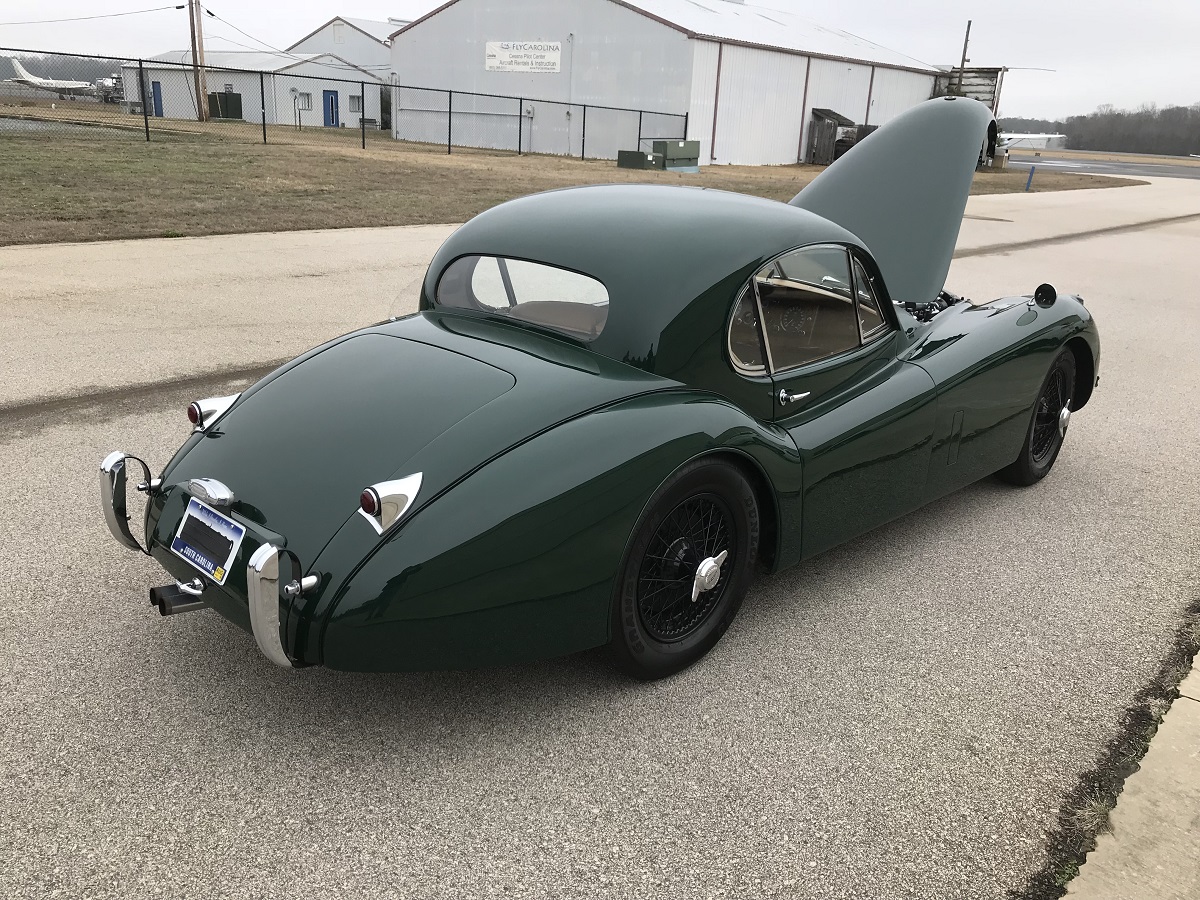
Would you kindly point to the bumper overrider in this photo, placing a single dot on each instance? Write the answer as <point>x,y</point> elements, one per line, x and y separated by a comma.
<point>266,590</point>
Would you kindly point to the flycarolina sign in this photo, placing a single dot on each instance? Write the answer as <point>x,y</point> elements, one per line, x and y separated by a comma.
<point>524,56</point>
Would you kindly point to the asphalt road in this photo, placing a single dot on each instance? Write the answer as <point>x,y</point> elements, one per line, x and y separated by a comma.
<point>1085,166</point>
<point>898,718</point>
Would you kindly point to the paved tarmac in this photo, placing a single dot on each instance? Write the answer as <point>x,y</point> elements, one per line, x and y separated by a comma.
<point>896,718</point>
<point>1123,168</point>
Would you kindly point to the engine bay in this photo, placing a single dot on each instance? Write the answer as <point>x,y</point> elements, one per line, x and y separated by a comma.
<point>924,312</point>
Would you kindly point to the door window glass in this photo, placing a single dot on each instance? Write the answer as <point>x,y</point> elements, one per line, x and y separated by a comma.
<point>869,312</point>
<point>808,308</point>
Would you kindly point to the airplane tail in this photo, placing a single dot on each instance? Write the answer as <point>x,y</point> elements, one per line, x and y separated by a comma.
<point>21,73</point>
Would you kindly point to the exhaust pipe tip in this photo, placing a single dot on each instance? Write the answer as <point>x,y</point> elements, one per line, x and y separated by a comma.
<point>173,599</point>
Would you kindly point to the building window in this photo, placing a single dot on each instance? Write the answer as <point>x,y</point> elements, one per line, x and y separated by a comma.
<point>229,88</point>
<point>304,101</point>
<point>355,103</point>
<point>339,33</point>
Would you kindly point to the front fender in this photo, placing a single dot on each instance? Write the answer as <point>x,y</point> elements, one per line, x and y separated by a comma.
<point>518,561</point>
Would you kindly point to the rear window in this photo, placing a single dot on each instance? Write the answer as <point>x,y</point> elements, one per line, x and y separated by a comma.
<point>565,301</point>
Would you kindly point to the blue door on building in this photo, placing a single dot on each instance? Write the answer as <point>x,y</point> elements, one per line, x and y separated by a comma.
<point>156,94</point>
<point>331,109</point>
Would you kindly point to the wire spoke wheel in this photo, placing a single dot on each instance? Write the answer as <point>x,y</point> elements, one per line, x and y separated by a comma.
<point>686,569</point>
<point>1048,427</point>
<point>1045,422</point>
<point>695,530</point>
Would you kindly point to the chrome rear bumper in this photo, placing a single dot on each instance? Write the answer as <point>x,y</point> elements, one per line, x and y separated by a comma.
<point>113,477</point>
<point>264,590</point>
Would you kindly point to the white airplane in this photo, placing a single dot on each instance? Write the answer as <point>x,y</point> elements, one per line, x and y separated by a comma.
<point>62,88</point>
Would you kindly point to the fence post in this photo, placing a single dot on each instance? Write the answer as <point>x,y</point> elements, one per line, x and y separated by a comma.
<point>145,113</point>
<point>583,135</point>
<point>639,143</point>
<point>262,99</point>
<point>362,111</point>
<point>520,121</point>
<point>449,120</point>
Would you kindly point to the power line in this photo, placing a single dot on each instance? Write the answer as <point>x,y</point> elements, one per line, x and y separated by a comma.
<point>286,53</point>
<point>133,12</point>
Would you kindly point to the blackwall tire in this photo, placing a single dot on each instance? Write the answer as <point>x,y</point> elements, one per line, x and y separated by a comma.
<point>706,507</point>
<point>1046,432</point>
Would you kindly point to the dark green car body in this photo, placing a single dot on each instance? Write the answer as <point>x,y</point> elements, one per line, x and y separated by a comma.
<point>540,451</point>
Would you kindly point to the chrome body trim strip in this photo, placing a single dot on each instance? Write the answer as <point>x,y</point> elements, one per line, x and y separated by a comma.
<point>262,589</point>
<point>395,499</point>
<point>113,499</point>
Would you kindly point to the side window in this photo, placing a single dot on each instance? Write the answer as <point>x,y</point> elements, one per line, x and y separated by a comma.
<point>808,307</point>
<point>870,314</point>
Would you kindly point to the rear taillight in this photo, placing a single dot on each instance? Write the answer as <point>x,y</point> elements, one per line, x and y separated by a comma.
<point>194,414</point>
<point>370,502</point>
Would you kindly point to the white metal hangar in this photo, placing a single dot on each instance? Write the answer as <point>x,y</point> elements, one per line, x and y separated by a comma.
<point>746,77</point>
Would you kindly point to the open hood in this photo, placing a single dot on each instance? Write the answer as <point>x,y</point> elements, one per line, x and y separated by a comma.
<point>903,190</point>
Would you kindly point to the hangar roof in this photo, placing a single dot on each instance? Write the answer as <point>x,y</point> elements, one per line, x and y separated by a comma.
<point>259,61</point>
<point>765,26</point>
<point>380,31</point>
<point>752,25</point>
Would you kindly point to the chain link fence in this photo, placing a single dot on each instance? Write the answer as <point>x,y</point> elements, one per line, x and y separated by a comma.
<point>297,99</point>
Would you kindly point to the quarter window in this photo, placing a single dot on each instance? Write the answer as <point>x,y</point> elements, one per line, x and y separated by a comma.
<point>870,314</point>
<point>745,337</point>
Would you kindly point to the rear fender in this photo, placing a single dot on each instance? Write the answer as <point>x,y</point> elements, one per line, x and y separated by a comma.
<point>518,560</point>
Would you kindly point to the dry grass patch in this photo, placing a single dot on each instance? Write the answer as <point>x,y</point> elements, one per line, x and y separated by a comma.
<point>94,187</point>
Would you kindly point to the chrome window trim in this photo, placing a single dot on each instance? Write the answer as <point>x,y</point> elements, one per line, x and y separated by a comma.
<point>762,324</point>
<point>884,325</point>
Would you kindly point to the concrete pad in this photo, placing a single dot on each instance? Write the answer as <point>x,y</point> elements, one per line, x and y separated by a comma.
<point>1004,218</point>
<point>897,719</point>
<point>1190,687</point>
<point>1151,851</point>
<point>79,318</point>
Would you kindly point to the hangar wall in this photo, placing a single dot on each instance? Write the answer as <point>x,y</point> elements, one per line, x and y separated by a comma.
<point>609,57</point>
<point>895,91</point>
<point>612,55</point>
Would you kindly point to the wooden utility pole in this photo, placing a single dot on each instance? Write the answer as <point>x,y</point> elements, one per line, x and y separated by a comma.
<point>194,13</point>
<point>963,65</point>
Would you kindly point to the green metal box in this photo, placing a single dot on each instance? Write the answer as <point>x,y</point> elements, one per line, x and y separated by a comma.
<point>636,159</point>
<point>678,153</point>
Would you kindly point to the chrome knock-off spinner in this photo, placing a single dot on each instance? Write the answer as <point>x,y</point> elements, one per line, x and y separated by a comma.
<point>708,573</point>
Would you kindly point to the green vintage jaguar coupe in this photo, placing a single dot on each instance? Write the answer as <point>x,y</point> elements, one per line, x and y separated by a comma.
<point>614,406</point>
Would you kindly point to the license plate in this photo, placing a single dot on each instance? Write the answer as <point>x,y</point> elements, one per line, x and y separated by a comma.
<point>207,540</point>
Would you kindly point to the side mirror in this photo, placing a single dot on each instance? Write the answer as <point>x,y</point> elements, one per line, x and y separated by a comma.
<point>1045,296</point>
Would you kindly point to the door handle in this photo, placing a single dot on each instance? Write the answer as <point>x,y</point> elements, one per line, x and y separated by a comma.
<point>785,398</point>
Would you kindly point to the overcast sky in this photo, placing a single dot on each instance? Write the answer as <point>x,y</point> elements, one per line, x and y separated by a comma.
<point>1103,51</point>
